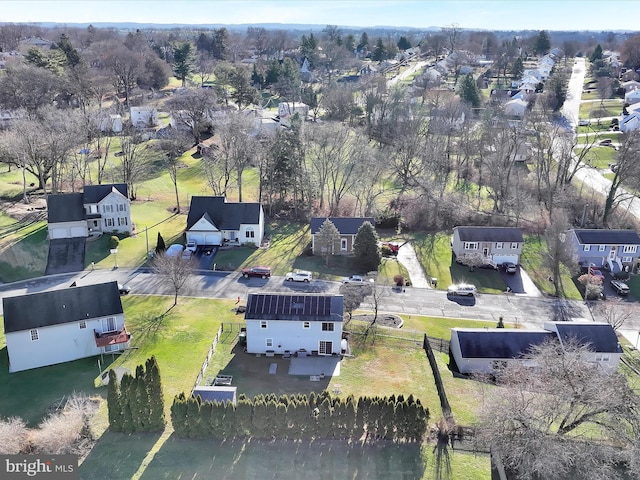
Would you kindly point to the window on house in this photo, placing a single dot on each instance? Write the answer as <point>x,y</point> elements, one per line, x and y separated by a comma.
<point>602,248</point>
<point>306,325</point>
<point>122,207</point>
<point>343,244</point>
<point>263,324</point>
<point>109,324</point>
<point>327,326</point>
<point>108,222</point>
<point>249,233</point>
<point>587,248</point>
<point>122,221</point>
<point>470,245</point>
<point>107,208</point>
<point>499,245</point>
<point>629,249</point>
<point>269,342</point>
<point>83,324</point>
<point>34,335</point>
<point>627,259</point>
<point>514,245</point>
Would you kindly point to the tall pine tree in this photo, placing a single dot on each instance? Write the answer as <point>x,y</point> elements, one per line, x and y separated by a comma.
<point>366,249</point>
<point>113,402</point>
<point>155,396</point>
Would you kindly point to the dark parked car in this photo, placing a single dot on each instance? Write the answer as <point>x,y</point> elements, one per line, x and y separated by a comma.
<point>123,289</point>
<point>620,287</point>
<point>260,272</point>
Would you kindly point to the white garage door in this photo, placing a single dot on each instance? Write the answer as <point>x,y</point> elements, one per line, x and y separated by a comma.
<point>58,232</point>
<point>78,232</point>
<point>198,238</point>
<point>213,239</point>
<point>500,259</point>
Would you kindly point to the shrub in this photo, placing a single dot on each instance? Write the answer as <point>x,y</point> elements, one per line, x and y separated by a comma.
<point>398,280</point>
<point>114,241</point>
<point>13,436</point>
<point>621,275</point>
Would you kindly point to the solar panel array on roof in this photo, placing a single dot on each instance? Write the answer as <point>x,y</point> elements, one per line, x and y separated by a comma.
<point>294,307</point>
<point>607,237</point>
<point>499,343</point>
<point>600,337</point>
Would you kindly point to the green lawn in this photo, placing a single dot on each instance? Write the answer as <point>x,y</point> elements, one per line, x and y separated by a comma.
<point>599,157</point>
<point>24,251</point>
<point>532,261</point>
<point>434,253</point>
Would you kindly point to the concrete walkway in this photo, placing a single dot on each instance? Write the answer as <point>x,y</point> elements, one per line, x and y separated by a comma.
<point>407,257</point>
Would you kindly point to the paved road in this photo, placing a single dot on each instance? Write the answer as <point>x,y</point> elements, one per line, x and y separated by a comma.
<point>591,176</point>
<point>411,300</point>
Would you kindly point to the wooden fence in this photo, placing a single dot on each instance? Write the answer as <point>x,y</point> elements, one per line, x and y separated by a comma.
<point>205,364</point>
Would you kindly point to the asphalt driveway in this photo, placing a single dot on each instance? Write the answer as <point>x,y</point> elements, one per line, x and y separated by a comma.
<point>66,255</point>
<point>520,283</point>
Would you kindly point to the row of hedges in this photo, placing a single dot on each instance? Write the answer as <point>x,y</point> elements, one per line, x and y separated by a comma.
<point>302,417</point>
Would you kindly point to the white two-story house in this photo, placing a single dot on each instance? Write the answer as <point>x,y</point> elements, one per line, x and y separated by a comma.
<point>62,325</point>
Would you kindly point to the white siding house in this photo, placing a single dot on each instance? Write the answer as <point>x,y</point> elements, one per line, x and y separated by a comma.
<point>59,326</point>
<point>281,324</point>
<point>144,117</point>
<point>212,221</point>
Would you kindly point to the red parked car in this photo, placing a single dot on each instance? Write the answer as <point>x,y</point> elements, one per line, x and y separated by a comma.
<point>260,272</point>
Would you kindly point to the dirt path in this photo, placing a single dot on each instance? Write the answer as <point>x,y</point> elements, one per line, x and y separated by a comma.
<point>407,257</point>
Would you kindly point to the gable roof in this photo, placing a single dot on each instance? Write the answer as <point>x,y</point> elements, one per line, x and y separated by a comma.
<point>55,307</point>
<point>65,207</point>
<point>225,215</point>
<point>499,342</point>
<point>95,193</point>
<point>489,234</point>
<point>318,308</point>
<point>605,236</point>
<point>599,336</point>
<point>345,225</point>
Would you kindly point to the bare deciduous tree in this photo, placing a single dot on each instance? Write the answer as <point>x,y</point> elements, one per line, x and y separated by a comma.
<point>175,271</point>
<point>615,314</point>
<point>173,147</point>
<point>559,252</point>
<point>560,415</point>
<point>192,109</point>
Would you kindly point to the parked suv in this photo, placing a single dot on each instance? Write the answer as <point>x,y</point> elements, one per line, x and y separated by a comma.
<point>299,276</point>
<point>620,287</point>
<point>461,289</point>
<point>261,272</point>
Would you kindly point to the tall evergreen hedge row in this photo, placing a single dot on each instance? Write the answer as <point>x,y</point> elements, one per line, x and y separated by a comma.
<point>136,403</point>
<point>302,417</point>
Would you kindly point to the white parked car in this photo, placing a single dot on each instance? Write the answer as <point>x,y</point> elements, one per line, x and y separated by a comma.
<point>462,289</point>
<point>299,276</point>
<point>174,250</point>
<point>192,245</point>
<point>357,280</point>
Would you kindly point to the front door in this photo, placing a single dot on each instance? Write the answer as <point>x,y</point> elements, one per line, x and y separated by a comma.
<point>485,252</point>
<point>326,348</point>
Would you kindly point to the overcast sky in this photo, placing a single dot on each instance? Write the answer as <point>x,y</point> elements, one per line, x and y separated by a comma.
<point>480,14</point>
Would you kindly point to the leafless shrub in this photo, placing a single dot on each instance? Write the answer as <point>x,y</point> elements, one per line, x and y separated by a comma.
<point>13,435</point>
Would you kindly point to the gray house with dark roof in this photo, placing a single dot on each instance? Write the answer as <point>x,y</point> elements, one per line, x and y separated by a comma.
<point>62,325</point>
<point>348,228</point>
<point>99,209</point>
<point>485,350</point>
<point>617,249</point>
<point>279,323</point>
<point>492,245</point>
<point>212,221</point>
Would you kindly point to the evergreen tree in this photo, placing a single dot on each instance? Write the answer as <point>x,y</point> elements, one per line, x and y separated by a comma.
<point>259,421</point>
<point>404,43</point>
<point>280,427</point>
<point>543,43</point>
<point>597,54</point>
<point>183,60</point>
<point>219,43</point>
<point>379,52</point>
<point>469,92</point>
<point>194,418</point>
<point>141,401</point>
<point>518,68</point>
<point>125,402</point>
<point>160,245</point>
<point>113,402</point>
<point>244,421</point>
<point>155,395</point>
<point>327,240</point>
<point>387,417</point>
<point>230,421</point>
<point>364,41</point>
<point>309,49</point>
<point>179,415</point>
<point>206,418</point>
<point>366,249</point>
